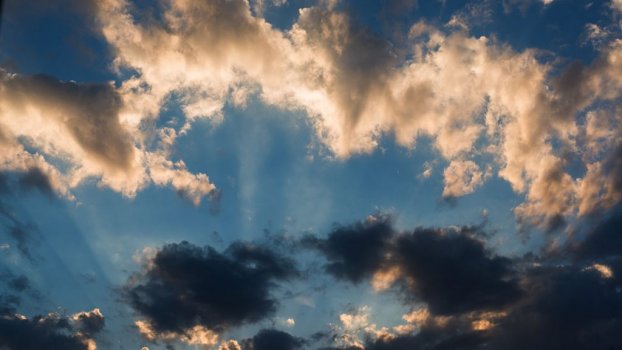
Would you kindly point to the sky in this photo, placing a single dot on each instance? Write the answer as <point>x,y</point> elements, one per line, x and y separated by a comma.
<point>310,174</point>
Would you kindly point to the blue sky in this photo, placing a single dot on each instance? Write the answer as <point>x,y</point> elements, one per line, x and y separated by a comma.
<point>476,141</point>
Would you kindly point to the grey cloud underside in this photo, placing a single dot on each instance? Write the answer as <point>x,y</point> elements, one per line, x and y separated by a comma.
<point>188,285</point>
<point>88,111</point>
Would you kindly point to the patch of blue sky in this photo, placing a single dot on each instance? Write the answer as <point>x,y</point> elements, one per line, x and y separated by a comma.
<point>56,39</point>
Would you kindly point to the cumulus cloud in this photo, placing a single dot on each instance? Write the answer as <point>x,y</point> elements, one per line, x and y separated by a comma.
<point>449,269</point>
<point>89,322</point>
<point>192,294</point>
<point>268,339</point>
<point>70,122</point>
<point>62,133</point>
<point>566,300</point>
<point>354,252</point>
<point>462,177</point>
<point>356,87</point>
<point>51,331</point>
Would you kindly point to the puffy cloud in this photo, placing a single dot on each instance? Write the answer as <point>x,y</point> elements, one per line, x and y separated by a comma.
<point>50,331</point>
<point>268,339</point>
<point>89,322</point>
<point>354,252</point>
<point>356,87</point>
<point>62,133</point>
<point>449,269</point>
<point>230,345</point>
<point>601,187</point>
<point>567,300</point>
<point>567,307</point>
<point>69,122</point>
<point>453,272</point>
<point>355,327</point>
<point>192,294</point>
<point>462,177</point>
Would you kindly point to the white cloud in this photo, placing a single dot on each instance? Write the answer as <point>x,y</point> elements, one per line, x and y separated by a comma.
<point>74,132</point>
<point>456,89</point>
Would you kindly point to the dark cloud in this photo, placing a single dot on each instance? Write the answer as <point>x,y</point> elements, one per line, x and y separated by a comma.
<point>604,240</point>
<point>186,285</point>
<point>90,323</point>
<point>40,332</point>
<point>567,307</point>
<point>449,269</point>
<point>272,339</point>
<point>565,300</point>
<point>431,340</point>
<point>356,251</point>
<point>453,272</point>
<point>36,334</point>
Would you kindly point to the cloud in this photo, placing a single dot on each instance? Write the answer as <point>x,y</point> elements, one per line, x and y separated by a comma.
<point>354,252</point>
<point>356,87</point>
<point>62,133</point>
<point>602,241</point>
<point>74,122</point>
<point>567,307</point>
<point>50,331</point>
<point>89,322</point>
<point>188,290</point>
<point>268,339</point>
<point>566,299</point>
<point>449,269</point>
<point>453,272</point>
<point>462,177</point>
